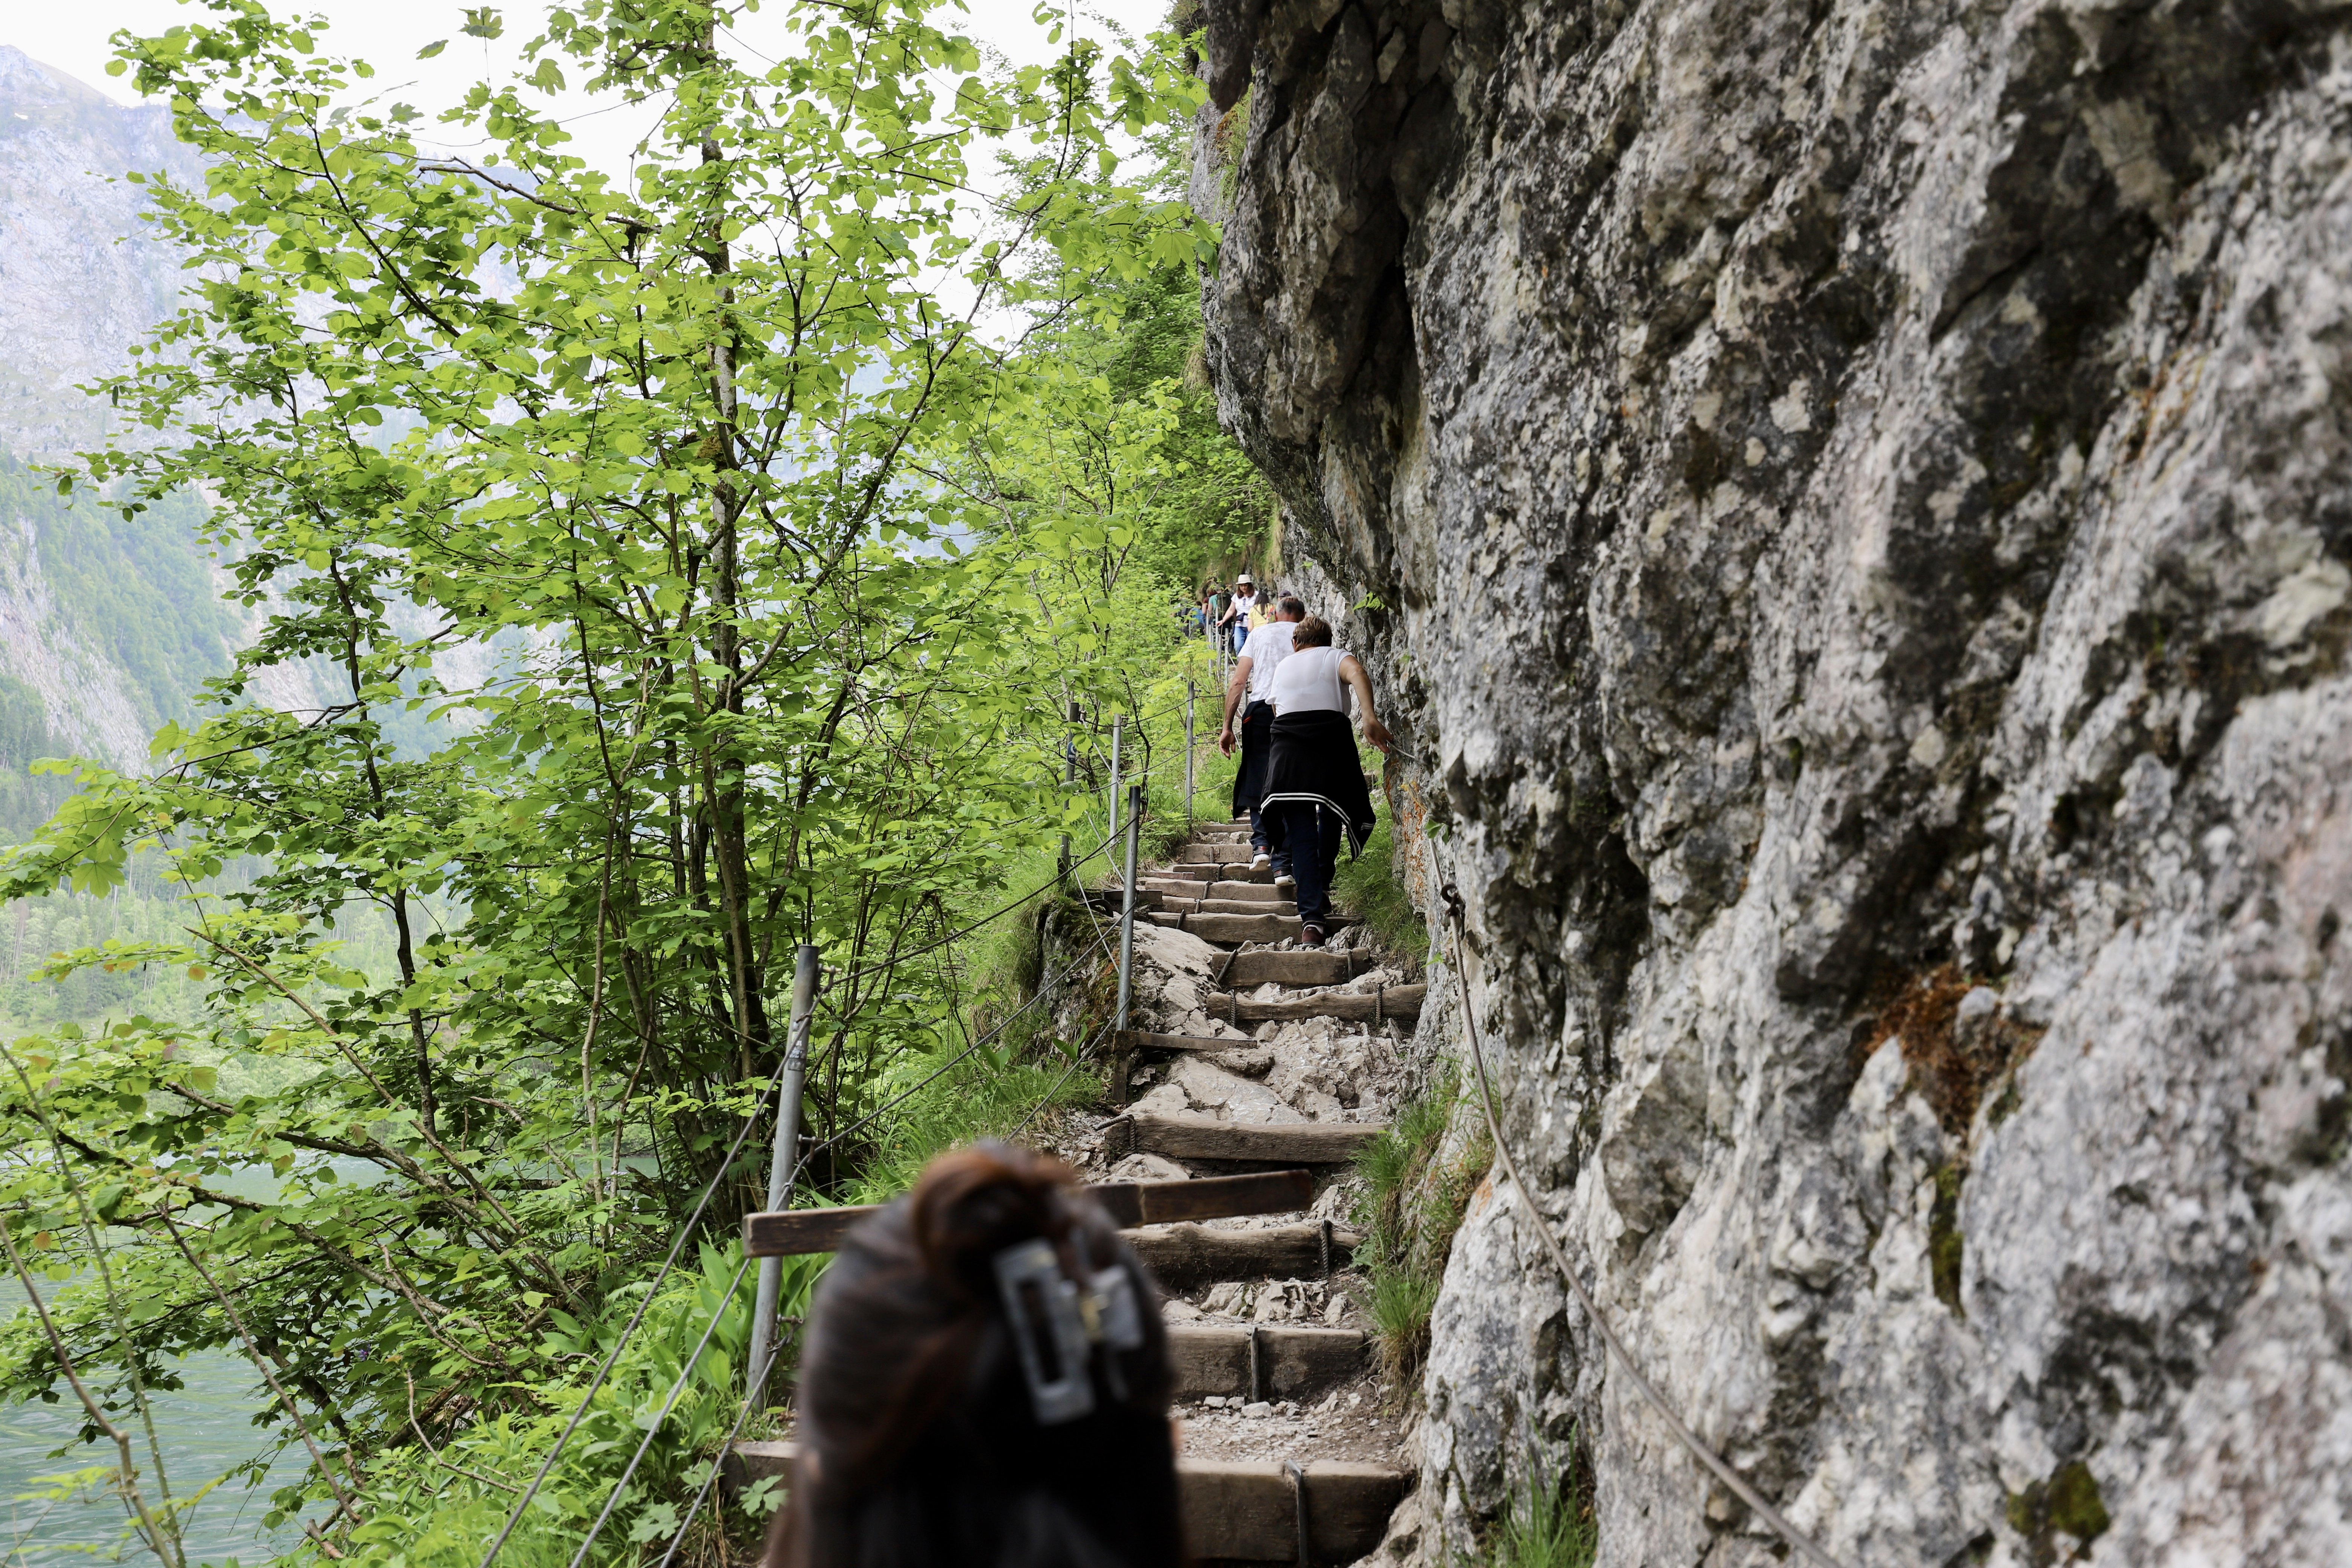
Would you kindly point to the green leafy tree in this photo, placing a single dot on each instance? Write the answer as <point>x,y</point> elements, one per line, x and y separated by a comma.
<point>747,583</point>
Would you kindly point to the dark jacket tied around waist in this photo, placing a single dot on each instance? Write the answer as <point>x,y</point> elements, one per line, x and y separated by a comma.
<point>1313,760</point>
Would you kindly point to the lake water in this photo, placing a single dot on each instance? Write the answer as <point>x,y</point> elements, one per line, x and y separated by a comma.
<point>205,1428</point>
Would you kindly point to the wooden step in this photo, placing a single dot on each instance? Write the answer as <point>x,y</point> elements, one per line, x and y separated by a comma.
<point>1300,966</point>
<point>1216,853</point>
<point>1145,1040</point>
<point>785,1233</point>
<point>1183,1257</point>
<point>1201,871</point>
<point>1373,1007</point>
<point>1214,905</point>
<point>1177,884</point>
<point>1113,901</point>
<point>1254,1510</point>
<point>1230,928</point>
<point>1234,1510</point>
<point>1259,1361</point>
<point>1260,892</point>
<point>1188,1135</point>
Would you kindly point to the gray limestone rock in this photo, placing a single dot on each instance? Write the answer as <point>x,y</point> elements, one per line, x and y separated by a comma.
<point>1849,507</point>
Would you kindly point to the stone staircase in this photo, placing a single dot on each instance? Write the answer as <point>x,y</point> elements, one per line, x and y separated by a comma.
<point>1257,1061</point>
<point>1250,1053</point>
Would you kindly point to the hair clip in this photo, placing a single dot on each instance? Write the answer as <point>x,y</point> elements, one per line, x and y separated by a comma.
<point>1043,1307</point>
<point>1119,1320</point>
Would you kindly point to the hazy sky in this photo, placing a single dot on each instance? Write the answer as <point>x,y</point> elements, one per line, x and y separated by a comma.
<point>72,38</point>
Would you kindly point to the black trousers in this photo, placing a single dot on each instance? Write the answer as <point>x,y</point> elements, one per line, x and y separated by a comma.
<point>1312,834</point>
<point>1258,748</point>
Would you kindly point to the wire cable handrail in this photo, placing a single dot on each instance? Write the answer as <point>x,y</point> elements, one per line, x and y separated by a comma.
<point>1042,993</point>
<point>684,1376</point>
<point>1797,1539</point>
<point>801,1163</point>
<point>869,971</point>
<point>588,1396</point>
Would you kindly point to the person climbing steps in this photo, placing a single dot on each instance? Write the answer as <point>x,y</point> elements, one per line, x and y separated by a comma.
<point>1314,794</point>
<point>1251,691</point>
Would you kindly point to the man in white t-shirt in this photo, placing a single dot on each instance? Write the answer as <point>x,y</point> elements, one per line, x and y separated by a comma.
<point>1267,647</point>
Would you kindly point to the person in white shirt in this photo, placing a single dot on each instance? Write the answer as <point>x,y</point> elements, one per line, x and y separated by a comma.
<point>1262,654</point>
<point>1237,615</point>
<point>1315,791</point>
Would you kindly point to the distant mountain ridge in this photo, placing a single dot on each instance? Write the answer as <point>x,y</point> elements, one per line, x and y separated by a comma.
<point>106,626</point>
<point>80,279</point>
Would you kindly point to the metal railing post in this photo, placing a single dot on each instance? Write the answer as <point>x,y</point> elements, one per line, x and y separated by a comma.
<point>1190,694</point>
<point>1121,1056</point>
<point>1118,724</point>
<point>782,1167</point>
<point>1069,777</point>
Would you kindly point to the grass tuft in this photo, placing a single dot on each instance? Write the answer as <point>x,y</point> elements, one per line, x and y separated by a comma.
<point>1369,888</point>
<point>1549,1522</point>
<point>1413,1205</point>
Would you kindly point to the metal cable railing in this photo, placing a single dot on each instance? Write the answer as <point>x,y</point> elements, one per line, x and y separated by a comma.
<point>800,1163</point>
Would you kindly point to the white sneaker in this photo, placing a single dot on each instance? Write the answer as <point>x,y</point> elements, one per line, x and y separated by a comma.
<point>1285,881</point>
<point>1262,861</point>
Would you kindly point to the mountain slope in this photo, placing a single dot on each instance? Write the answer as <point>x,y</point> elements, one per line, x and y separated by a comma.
<point>106,624</point>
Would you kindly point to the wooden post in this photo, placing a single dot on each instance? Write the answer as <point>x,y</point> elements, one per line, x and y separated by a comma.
<point>1123,1056</point>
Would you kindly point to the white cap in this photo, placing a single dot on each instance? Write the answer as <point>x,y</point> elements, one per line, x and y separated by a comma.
<point>1245,577</point>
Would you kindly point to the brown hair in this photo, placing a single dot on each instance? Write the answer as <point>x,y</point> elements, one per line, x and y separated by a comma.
<point>920,1446</point>
<point>1312,632</point>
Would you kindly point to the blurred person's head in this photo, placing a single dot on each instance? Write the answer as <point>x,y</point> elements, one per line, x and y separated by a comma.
<point>1312,632</point>
<point>928,1437</point>
<point>1290,607</point>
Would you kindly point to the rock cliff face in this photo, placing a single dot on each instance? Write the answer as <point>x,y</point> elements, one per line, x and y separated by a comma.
<point>79,282</point>
<point>1852,503</point>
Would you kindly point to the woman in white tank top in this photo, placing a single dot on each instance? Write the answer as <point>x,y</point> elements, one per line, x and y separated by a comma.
<point>1308,682</point>
<point>1315,796</point>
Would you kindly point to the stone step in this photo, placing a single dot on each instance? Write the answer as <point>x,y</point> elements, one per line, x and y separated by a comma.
<point>1376,1006</point>
<point>1300,966</point>
<point>1197,853</point>
<point>1227,906</point>
<point>1188,1135</point>
<point>1185,1257</point>
<point>1233,1511</point>
<point>1259,1361</point>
